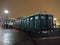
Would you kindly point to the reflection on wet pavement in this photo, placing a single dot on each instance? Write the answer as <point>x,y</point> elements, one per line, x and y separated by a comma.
<point>15,37</point>
<point>1,33</point>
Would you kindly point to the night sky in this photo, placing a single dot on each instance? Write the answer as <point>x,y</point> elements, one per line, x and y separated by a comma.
<point>21,8</point>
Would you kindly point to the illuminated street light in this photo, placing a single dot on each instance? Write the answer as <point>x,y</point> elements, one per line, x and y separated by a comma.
<point>6,11</point>
<point>54,19</point>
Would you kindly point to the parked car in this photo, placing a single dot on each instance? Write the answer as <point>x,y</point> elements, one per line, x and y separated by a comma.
<point>9,23</point>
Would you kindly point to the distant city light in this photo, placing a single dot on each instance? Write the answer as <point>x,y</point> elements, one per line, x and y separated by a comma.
<point>5,11</point>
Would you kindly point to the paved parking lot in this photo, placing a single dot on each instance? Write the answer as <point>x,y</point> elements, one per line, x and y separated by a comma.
<point>16,37</point>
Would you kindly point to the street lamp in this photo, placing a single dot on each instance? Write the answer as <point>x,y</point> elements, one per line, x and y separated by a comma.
<point>6,12</point>
<point>54,18</point>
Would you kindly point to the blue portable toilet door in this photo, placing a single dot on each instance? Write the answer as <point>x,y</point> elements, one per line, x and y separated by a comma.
<point>37,23</point>
<point>43,22</point>
<point>31,22</point>
<point>27,23</point>
<point>17,24</point>
<point>23,24</point>
<point>20,23</point>
<point>49,22</point>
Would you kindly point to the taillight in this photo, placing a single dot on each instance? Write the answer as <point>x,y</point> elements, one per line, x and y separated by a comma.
<point>52,30</point>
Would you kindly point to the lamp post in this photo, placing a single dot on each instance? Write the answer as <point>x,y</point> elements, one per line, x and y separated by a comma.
<point>6,12</point>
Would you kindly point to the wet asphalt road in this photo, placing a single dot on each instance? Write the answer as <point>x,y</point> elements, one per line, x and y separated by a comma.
<point>48,41</point>
<point>1,35</point>
<point>16,37</point>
